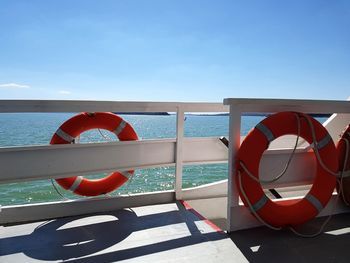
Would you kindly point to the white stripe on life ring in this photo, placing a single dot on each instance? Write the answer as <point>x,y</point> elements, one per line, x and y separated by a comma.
<point>126,174</point>
<point>260,203</point>
<point>346,174</point>
<point>314,201</point>
<point>64,136</point>
<point>76,183</point>
<point>322,143</point>
<point>266,131</point>
<point>120,128</point>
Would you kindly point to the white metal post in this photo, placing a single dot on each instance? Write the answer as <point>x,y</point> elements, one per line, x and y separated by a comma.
<point>179,157</point>
<point>234,143</point>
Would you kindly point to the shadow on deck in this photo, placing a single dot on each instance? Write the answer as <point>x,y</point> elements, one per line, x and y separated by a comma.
<point>140,233</point>
<point>167,233</point>
<point>264,245</point>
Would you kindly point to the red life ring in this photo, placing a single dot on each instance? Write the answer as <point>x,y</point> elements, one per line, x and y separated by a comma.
<point>80,123</point>
<point>287,212</point>
<point>341,149</point>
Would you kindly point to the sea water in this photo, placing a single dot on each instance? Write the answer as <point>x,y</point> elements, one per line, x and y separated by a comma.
<point>23,129</point>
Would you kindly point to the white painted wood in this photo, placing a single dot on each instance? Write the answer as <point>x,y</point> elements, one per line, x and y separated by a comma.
<point>211,208</point>
<point>336,125</point>
<point>301,172</point>
<point>246,220</point>
<point>234,144</point>
<point>204,150</point>
<point>180,116</point>
<point>277,105</point>
<point>302,169</point>
<point>55,161</point>
<point>108,106</point>
<point>51,210</point>
<point>212,190</point>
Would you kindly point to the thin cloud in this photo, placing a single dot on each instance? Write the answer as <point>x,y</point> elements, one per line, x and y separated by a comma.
<point>14,86</point>
<point>64,92</point>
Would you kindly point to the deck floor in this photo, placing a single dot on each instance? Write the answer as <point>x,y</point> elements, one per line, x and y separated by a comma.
<point>262,244</point>
<point>167,233</point>
<point>159,233</point>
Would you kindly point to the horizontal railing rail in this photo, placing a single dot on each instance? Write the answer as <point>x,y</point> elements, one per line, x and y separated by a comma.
<point>57,161</point>
<point>106,106</point>
<point>276,105</point>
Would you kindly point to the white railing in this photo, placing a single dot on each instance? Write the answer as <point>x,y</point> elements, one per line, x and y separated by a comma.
<point>238,216</point>
<point>20,164</point>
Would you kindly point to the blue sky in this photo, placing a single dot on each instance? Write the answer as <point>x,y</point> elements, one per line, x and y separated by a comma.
<point>174,50</point>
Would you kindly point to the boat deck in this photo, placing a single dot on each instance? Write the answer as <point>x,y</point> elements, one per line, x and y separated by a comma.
<point>157,233</point>
<point>167,233</point>
<point>262,244</point>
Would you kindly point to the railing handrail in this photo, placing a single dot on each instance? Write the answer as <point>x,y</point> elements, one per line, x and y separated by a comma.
<point>180,108</point>
<point>108,106</point>
<point>178,152</point>
<point>275,105</point>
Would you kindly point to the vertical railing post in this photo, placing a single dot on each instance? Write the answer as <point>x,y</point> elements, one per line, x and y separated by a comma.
<point>179,145</point>
<point>234,144</point>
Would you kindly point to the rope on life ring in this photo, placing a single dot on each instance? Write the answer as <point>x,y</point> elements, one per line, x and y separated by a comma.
<point>343,149</point>
<point>277,214</point>
<point>80,123</point>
